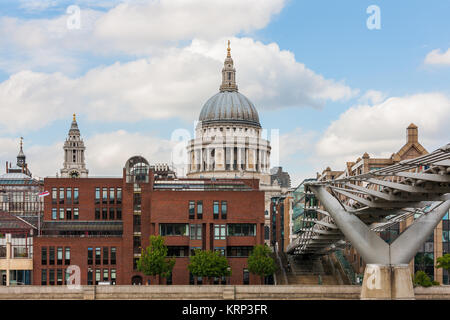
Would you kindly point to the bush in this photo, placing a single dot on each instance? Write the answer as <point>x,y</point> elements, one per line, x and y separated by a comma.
<point>423,280</point>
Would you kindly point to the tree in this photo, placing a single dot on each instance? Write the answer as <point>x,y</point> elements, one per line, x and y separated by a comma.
<point>154,261</point>
<point>444,262</point>
<point>423,280</point>
<point>208,264</point>
<point>260,262</point>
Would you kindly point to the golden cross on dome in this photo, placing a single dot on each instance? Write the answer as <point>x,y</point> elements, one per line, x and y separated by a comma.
<point>74,117</point>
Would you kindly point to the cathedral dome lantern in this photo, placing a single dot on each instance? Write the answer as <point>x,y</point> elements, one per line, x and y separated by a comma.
<point>74,158</point>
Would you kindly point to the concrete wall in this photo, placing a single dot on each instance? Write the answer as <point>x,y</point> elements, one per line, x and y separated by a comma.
<point>214,292</point>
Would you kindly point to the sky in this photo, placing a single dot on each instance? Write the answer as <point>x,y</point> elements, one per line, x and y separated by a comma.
<point>335,78</point>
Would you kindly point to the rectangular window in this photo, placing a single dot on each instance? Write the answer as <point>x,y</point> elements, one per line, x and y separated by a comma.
<point>69,213</point>
<point>98,254</point>
<point>136,201</point>
<point>54,196</point>
<point>75,196</point>
<point>89,277</point>
<point>119,196</point>
<point>216,210</point>
<point>54,213</point>
<point>61,213</point>
<point>75,213</point>
<point>61,195</point>
<point>51,276</point>
<point>137,244</point>
<point>224,209</point>
<point>59,256</point>
<point>97,195</point>
<point>239,251</point>
<point>105,275</point>
<point>246,277</point>
<point>113,276</point>
<point>90,256</point>
<point>191,209</point>
<point>111,213</point>
<point>242,229</point>
<point>196,232</point>
<point>199,209</point>
<point>119,214</point>
<point>105,195</point>
<point>174,229</point>
<point>67,256</point>
<point>105,255</point>
<point>221,250</point>
<point>44,256</point>
<point>177,251</point>
<point>111,196</point>
<point>69,195</point>
<point>219,231</point>
<point>66,277</point>
<point>51,256</point>
<point>97,276</point>
<point>97,214</point>
<point>113,255</point>
<point>104,213</point>
<point>43,277</point>
<point>59,277</point>
<point>136,223</point>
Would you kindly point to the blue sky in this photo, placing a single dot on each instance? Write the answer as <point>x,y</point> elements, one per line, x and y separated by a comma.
<point>138,70</point>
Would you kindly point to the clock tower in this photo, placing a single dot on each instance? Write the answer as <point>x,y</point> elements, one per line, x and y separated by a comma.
<point>74,161</point>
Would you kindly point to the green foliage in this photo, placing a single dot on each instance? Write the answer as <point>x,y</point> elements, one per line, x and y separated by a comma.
<point>423,280</point>
<point>444,262</point>
<point>208,264</point>
<point>260,261</point>
<point>154,261</point>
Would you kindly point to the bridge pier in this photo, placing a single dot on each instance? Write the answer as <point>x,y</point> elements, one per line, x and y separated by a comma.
<point>387,274</point>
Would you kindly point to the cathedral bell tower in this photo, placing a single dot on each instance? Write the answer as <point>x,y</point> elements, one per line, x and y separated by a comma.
<point>74,162</point>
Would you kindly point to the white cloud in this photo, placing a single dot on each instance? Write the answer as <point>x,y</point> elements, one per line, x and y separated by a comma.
<point>436,57</point>
<point>175,84</point>
<point>380,129</point>
<point>106,153</point>
<point>372,97</point>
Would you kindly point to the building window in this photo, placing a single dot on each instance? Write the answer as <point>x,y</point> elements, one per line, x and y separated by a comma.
<point>97,214</point>
<point>59,256</point>
<point>111,213</point>
<point>98,254</point>
<point>89,277</point>
<point>75,195</point>
<point>44,256</point>
<point>119,213</point>
<point>67,256</point>
<point>105,275</point>
<point>54,213</point>
<point>61,213</point>
<point>111,195</point>
<point>219,232</point>
<point>51,276</point>
<point>177,251</point>
<point>239,251</point>
<point>242,229</point>
<point>224,209</point>
<point>105,195</point>
<point>51,256</point>
<point>246,277</point>
<point>104,213</point>
<point>119,196</point>
<point>174,229</point>
<point>69,213</point>
<point>61,195</point>
<point>191,209</point>
<point>216,210</point>
<point>191,279</point>
<point>90,256</point>
<point>113,255</point>
<point>196,232</point>
<point>69,195</point>
<point>75,213</point>
<point>54,196</point>
<point>221,250</point>
<point>136,223</point>
<point>113,276</point>
<point>43,277</point>
<point>59,277</point>
<point>199,209</point>
<point>105,255</point>
<point>97,195</point>
<point>97,276</point>
<point>137,202</point>
<point>137,244</point>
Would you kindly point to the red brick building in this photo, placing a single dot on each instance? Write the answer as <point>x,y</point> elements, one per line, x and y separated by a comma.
<point>101,224</point>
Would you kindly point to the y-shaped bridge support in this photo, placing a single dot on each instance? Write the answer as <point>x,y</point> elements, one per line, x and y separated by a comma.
<point>387,274</point>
